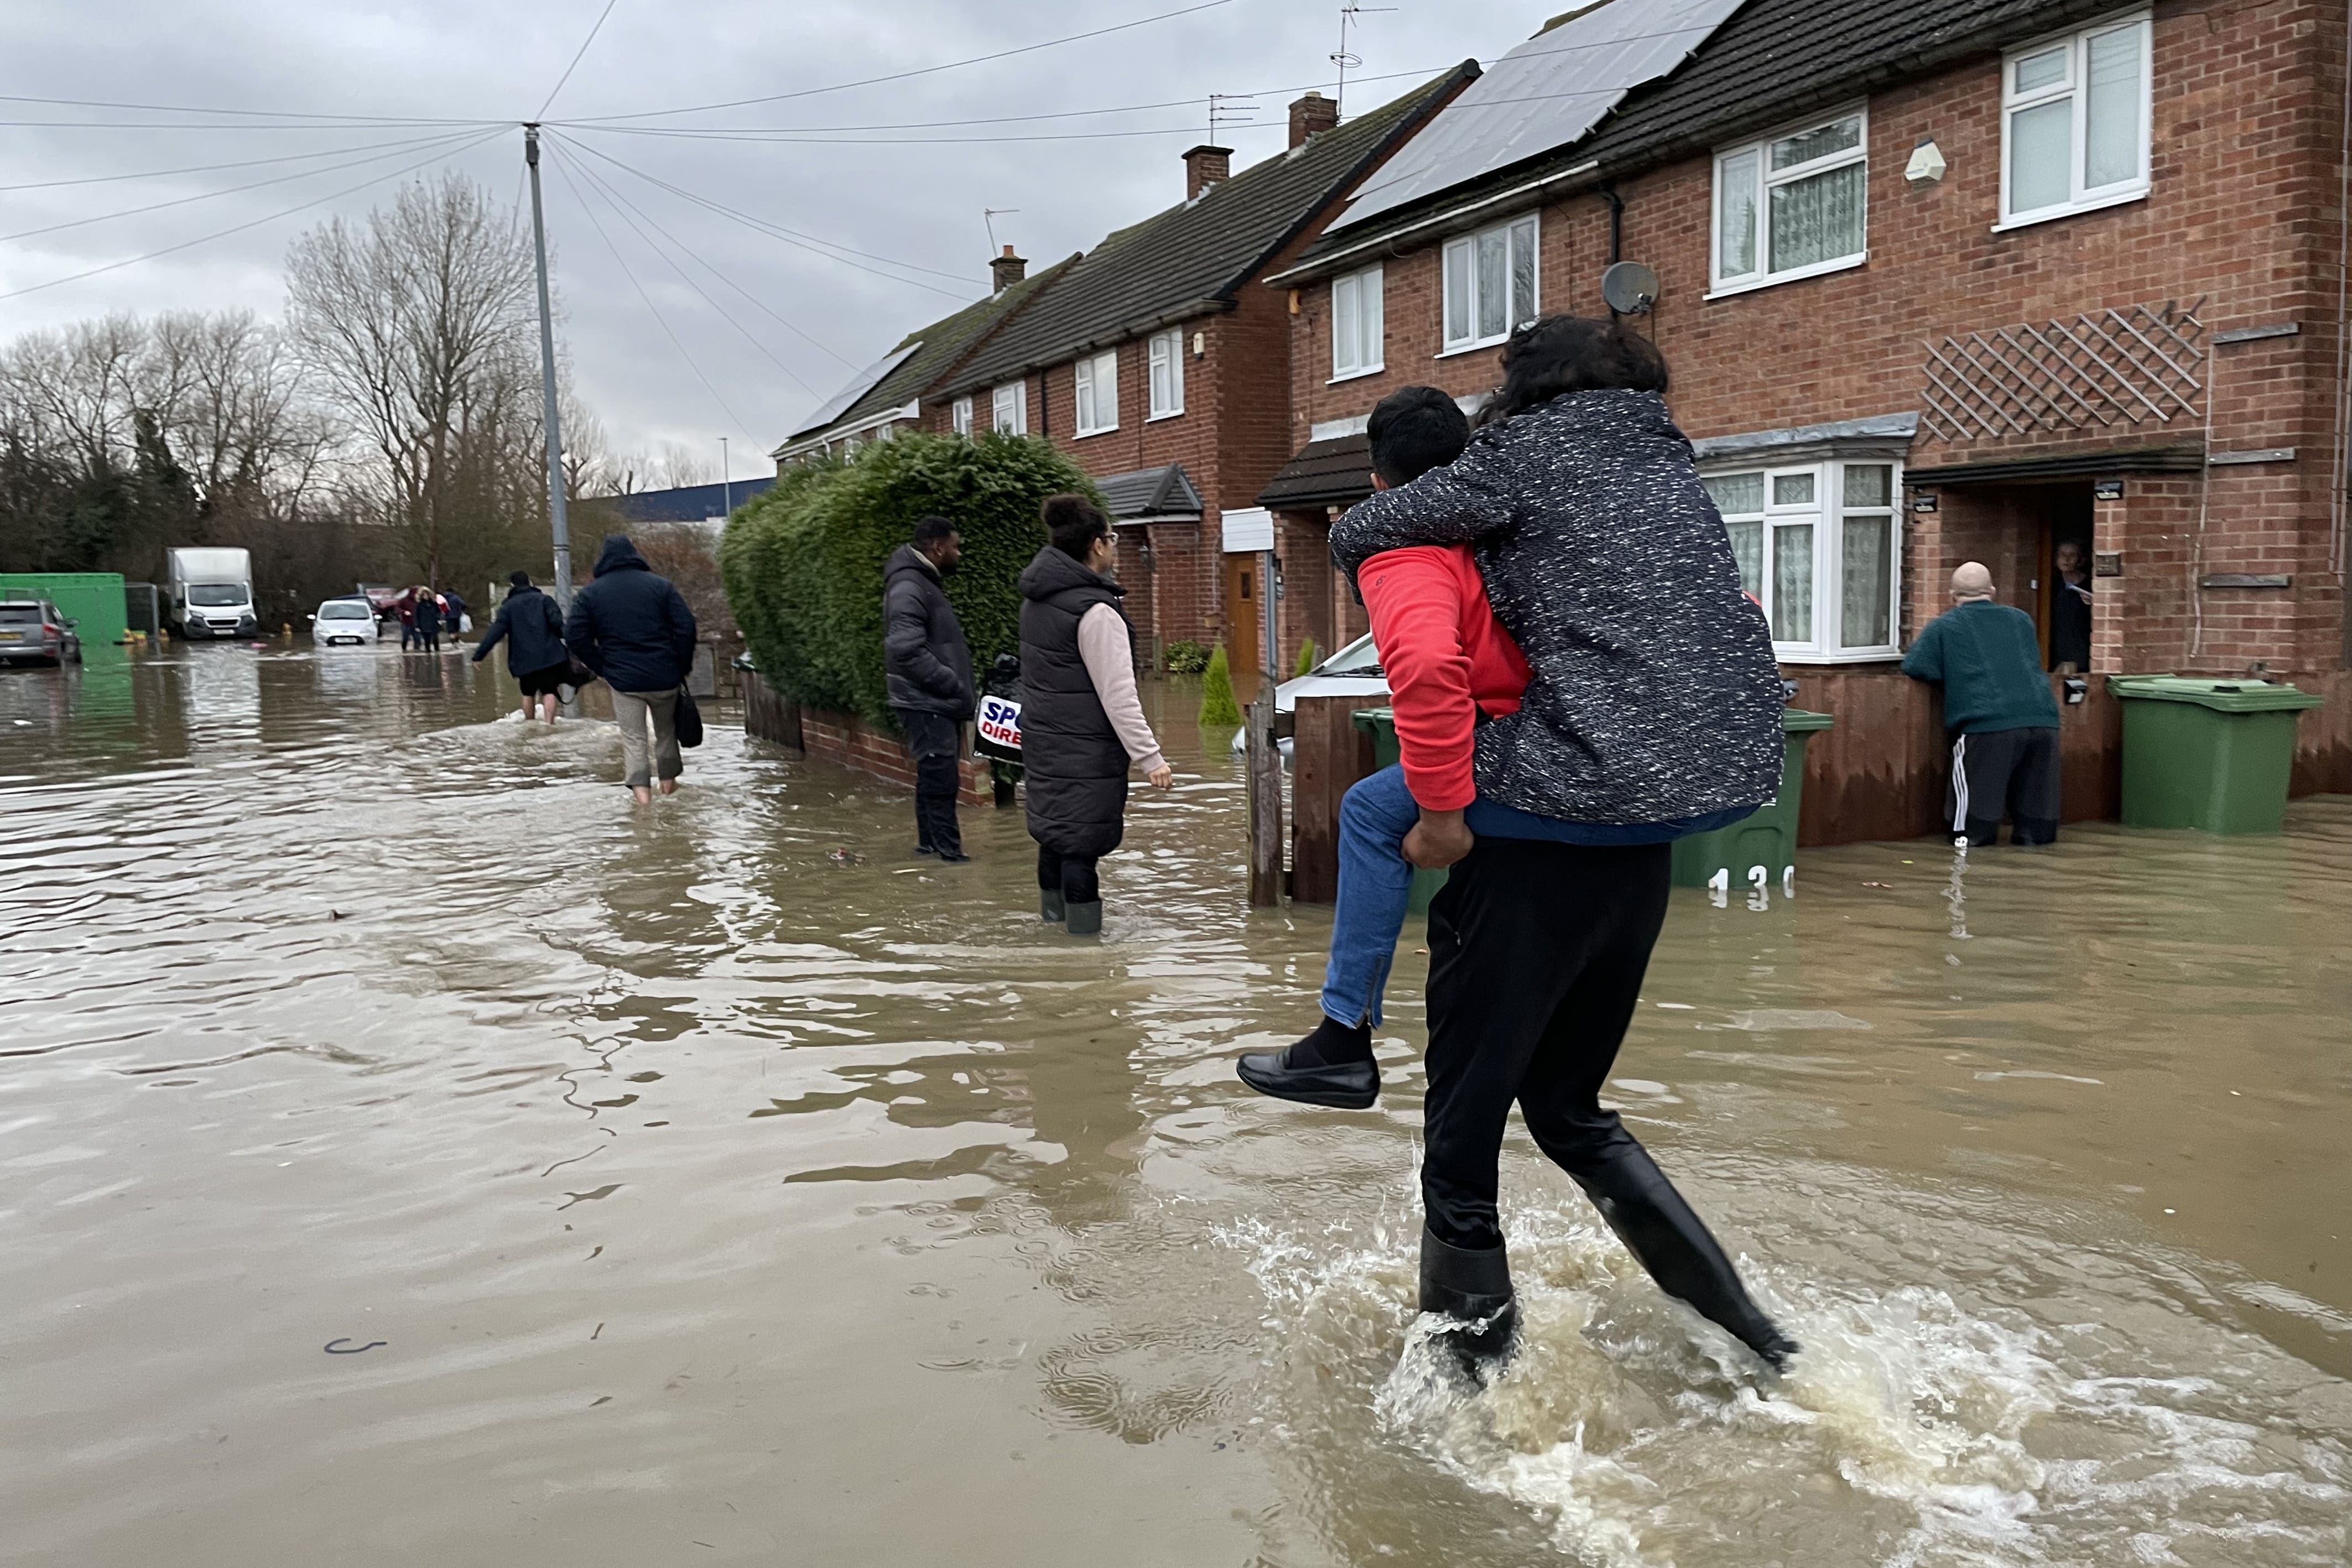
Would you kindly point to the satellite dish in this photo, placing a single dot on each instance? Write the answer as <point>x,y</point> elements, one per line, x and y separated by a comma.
<point>1631,287</point>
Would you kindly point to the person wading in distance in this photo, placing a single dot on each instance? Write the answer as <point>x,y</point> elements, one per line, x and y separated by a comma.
<point>532,629</point>
<point>633,630</point>
<point>927,665</point>
<point>1998,712</point>
<point>1082,721</point>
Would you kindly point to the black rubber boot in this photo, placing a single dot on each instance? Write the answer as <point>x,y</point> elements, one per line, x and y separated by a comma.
<point>1661,1230</point>
<point>1333,1066</point>
<point>1084,919</point>
<point>1474,1289</point>
<point>1050,906</point>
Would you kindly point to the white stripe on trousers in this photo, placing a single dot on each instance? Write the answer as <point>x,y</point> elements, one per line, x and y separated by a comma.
<point>1960,785</point>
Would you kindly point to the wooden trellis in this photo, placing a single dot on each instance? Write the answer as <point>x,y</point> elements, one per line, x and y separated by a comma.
<point>2140,365</point>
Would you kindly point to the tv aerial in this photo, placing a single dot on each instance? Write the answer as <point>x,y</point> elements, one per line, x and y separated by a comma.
<point>1630,287</point>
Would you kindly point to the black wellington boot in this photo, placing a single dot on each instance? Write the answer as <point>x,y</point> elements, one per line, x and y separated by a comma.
<point>1333,1066</point>
<point>1671,1241</point>
<point>1472,1287</point>
<point>1050,906</point>
<point>1084,919</point>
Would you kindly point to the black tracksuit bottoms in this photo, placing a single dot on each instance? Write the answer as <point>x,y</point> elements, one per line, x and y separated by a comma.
<point>1536,954</point>
<point>933,741</point>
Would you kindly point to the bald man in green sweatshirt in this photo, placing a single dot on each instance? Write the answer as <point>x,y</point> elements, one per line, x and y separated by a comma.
<point>1998,712</point>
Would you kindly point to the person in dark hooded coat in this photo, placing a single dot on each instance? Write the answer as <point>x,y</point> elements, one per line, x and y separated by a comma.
<point>428,620</point>
<point>1082,723</point>
<point>631,628</point>
<point>532,629</point>
<point>927,665</point>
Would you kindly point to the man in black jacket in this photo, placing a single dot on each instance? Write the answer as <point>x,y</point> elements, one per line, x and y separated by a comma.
<point>633,629</point>
<point>929,671</point>
<point>532,630</point>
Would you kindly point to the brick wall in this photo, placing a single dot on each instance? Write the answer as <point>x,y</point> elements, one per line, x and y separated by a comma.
<point>850,742</point>
<point>2244,212</point>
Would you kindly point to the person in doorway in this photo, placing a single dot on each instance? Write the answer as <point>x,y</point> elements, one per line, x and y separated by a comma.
<point>1998,712</point>
<point>1652,702</point>
<point>532,629</point>
<point>2070,609</point>
<point>928,667</point>
<point>1082,724</point>
<point>428,620</point>
<point>631,628</point>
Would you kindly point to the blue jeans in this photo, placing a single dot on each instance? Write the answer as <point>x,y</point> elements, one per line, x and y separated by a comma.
<point>1376,879</point>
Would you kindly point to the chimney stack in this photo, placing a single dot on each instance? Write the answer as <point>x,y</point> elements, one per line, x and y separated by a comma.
<point>1204,166</point>
<point>1006,270</point>
<point>1310,114</point>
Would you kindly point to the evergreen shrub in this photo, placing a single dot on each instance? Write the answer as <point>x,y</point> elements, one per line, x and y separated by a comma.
<point>1186,657</point>
<point>1217,704</point>
<point>804,562</point>
<point>1305,658</point>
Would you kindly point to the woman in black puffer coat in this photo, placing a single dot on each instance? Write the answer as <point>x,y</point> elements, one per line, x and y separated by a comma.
<point>1082,723</point>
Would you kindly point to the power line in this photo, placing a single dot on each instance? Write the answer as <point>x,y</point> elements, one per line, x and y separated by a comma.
<point>253,223</point>
<point>576,58</point>
<point>921,71</point>
<point>822,247</point>
<point>247,113</point>
<point>214,125</point>
<point>393,150</point>
<point>624,207</point>
<point>774,139</point>
<point>663,321</point>
<point>190,169</point>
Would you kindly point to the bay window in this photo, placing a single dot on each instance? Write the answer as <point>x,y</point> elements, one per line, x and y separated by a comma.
<point>1167,362</point>
<point>2074,117</point>
<point>1490,284</point>
<point>1009,411</point>
<point>1818,547</point>
<point>1097,387</point>
<point>1359,343</point>
<point>1793,205</point>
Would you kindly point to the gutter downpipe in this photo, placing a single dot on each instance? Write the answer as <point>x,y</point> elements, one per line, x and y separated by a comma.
<point>1616,223</point>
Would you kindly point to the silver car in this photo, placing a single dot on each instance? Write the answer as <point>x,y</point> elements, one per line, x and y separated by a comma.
<point>1353,672</point>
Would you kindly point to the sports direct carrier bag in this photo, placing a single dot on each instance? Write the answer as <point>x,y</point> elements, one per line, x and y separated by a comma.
<point>998,729</point>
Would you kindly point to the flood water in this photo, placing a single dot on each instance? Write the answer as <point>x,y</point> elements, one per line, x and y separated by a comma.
<point>717,1183</point>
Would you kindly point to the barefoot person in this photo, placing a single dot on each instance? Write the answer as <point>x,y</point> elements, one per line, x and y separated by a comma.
<point>1082,724</point>
<point>1653,700</point>
<point>532,629</point>
<point>633,629</point>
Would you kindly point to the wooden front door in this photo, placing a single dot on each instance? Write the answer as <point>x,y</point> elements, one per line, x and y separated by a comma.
<point>1243,612</point>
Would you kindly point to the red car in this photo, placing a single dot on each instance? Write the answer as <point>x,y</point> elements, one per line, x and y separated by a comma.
<point>33,633</point>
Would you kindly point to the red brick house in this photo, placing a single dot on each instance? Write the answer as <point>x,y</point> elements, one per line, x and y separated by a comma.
<point>1971,281</point>
<point>1162,365</point>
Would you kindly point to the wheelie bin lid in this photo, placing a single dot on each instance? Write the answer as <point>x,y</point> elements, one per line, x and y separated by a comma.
<point>2224,696</point>
<point>1793,719</point>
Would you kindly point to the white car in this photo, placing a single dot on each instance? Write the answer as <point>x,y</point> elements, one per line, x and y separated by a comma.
<point>344,623</point>
<point>1353,672</point>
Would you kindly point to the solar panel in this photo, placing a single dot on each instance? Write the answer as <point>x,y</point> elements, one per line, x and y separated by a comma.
<point>1546,94</point>
<point>861,383</point>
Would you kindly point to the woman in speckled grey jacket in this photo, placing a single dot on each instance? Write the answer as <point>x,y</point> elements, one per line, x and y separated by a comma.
<point>1654,700</point>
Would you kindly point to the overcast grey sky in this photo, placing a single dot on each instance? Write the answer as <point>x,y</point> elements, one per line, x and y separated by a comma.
<point>914,196</point>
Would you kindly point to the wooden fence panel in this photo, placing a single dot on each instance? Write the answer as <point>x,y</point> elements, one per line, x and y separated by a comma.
<point>1328,755</point>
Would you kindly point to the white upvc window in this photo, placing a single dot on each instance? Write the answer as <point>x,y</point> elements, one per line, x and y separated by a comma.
<point>1490,284</point>
<point>1818,547</point>
<point>1794,204</point>
<point>2074,122</point>
<point>1358,340</point>
<point>1009,413</point>
<point>959,414</point>
<point>1098,393</point>
<point>1167,360</point>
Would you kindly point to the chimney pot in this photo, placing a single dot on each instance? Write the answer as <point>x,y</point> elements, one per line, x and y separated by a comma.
<point>1310,114</point>
<point>1006,270</point>
<point>1204,166</point>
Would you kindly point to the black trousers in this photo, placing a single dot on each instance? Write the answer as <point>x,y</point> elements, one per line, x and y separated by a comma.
<point>1537,953</point>
<point>932,740</point>
<point>1073,876</point>
<point>2005,772</point>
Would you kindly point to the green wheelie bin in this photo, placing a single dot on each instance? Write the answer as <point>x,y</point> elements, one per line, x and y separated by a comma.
<point>2208,754</point>
<point>1758,852</point>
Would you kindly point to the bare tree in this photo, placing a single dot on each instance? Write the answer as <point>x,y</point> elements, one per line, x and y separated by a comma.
<point>418,323</point>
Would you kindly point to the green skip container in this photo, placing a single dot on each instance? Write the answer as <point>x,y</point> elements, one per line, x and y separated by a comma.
<point>1766,840</point>
<point>1758,850</point>
<point>2207,753</point>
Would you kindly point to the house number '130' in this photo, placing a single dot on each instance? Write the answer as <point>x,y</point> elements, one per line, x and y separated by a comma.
<point>1760,886</point>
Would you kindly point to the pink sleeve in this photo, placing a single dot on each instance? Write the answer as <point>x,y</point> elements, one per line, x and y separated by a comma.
<point>1110,659</point>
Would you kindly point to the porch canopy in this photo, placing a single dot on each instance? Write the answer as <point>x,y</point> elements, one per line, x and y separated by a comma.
<point>1163,494</point>
<point>1333,472</point>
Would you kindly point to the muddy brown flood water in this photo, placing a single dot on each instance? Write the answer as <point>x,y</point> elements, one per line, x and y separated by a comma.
<point>718,1184</point>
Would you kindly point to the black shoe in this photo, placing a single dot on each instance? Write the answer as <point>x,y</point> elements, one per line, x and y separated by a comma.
<point>1050,906</point>
<point>925,850</point>
<point>1084,919</point>
<point>1471,1289</point>
<point>1659,1227</point>
<point>952,857</point>
<point>1333,1066</point>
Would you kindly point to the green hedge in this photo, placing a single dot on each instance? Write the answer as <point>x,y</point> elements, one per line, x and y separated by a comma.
<point>804,562</point>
